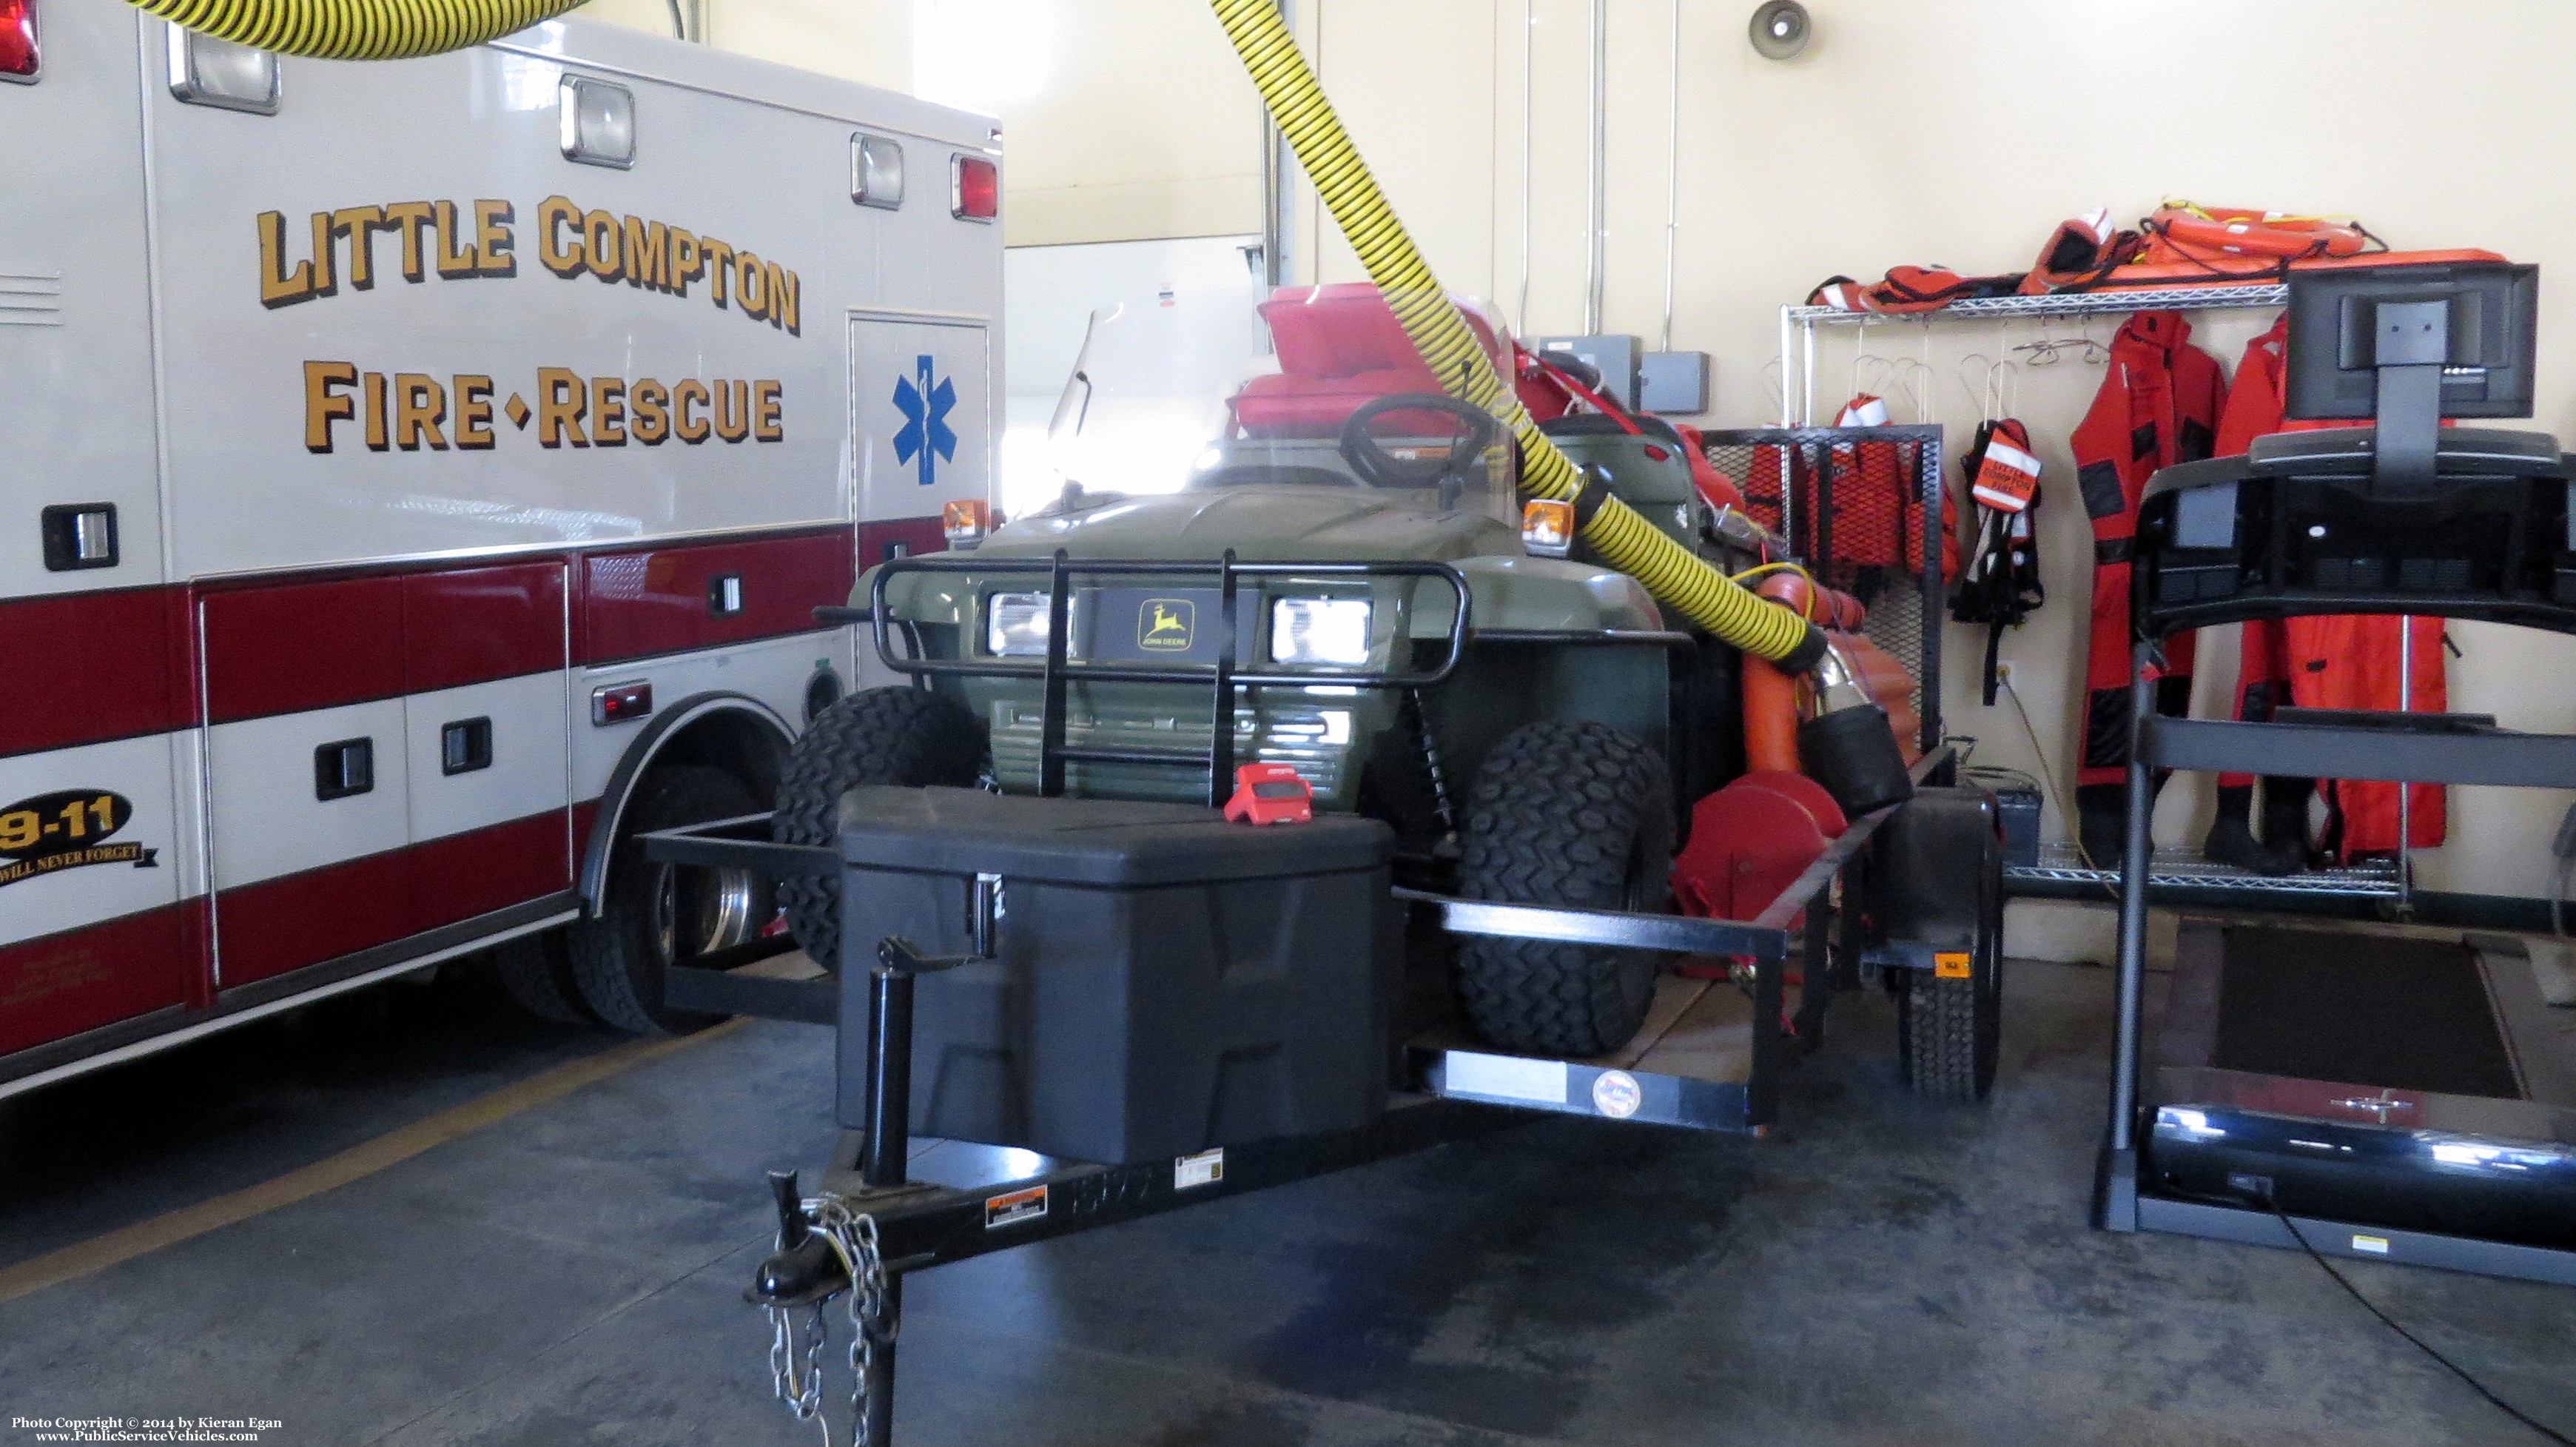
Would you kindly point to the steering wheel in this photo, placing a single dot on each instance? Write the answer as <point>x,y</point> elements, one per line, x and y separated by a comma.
<point>1380,468</point>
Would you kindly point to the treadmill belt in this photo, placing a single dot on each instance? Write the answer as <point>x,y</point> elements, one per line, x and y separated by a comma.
<point>2407,1014</point>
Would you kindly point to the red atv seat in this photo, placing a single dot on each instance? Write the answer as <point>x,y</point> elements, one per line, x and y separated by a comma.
<point>1339,346</point>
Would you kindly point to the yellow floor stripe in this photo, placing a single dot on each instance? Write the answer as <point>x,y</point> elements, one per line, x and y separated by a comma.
<point>100,1252</point>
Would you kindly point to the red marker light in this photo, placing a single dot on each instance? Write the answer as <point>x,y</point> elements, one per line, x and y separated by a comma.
<point>619,702</point>
<point>18,37</point>
<point>1270,794</point>
<point>976,192</point>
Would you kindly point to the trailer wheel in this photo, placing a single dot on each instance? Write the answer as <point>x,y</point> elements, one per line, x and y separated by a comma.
<point>891,735</point>
<point>1949,1031</point>
<point>1564,813</point>
<point>654,914</point>
<point>535,971</point>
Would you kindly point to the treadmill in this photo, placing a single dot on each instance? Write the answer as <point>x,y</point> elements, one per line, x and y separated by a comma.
<point>2388,1093</point>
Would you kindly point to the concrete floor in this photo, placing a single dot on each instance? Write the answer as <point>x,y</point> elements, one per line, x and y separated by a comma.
<point>1882,1272</point>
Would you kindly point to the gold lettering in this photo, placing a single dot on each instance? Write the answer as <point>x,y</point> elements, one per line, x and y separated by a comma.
<point>782,297</point>
<point>326,280</point>
<point>419,406</point>
<point>408,217</point>
<point>685,264</point>
<point>719,260</point>
<point>648,253</point>
<point>277,285</point>
<point>750,285</point>
<point>765,407</point>
<point>552,214</point>
<point>600,234</point>
<point>651,424</point>
<point>732,410</point>
<point>561,401</point>
<point>361,223</point>
<point>376,412</point>
<point>607,412</point>
<point>492,240</point>
<point>452,262</point>
<point>473,412</point>
<point>322,406</point>
<point>691,430</point>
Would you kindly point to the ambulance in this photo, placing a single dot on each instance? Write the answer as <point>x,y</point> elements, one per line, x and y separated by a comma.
<point>418,478</point>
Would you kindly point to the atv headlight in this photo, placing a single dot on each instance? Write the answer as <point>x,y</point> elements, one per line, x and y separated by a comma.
<point>1015,624</point>
<point>1319,630</point>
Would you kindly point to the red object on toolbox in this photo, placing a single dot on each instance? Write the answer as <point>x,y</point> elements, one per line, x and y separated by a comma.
<point>1270,794</point>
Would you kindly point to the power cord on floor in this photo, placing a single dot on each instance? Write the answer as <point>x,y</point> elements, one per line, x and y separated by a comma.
<point>2448,1365</point>
<point>2057,797</point>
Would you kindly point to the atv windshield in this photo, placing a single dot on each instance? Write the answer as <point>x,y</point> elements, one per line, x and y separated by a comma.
<point>1308,387</point>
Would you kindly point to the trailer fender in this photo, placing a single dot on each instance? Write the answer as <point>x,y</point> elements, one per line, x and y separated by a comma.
<point>732,731</point>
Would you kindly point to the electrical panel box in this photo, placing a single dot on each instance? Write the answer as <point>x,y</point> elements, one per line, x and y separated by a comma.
<point>1673,384</point>
<point>1615,357</point>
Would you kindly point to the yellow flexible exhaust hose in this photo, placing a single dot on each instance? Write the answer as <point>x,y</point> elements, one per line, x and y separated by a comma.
<point>356,29</point>
<point>1623,539</point>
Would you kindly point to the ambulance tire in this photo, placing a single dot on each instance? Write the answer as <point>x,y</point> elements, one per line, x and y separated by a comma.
<point>535,971</point>
<point>1564,813</point>
<point>1949,1032</point>
<point>655,913</point>
<point>894,735</point>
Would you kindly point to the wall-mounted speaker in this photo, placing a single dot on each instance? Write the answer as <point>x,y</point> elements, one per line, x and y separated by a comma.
<point>1780,29</point>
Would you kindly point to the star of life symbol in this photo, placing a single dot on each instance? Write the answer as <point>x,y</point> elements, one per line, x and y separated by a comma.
<point>925,439</point>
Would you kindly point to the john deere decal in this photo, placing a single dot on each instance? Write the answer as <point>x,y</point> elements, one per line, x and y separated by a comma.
<point>66,830</point>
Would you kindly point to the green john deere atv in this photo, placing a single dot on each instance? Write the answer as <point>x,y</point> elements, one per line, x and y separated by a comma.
<point>1330,579</point>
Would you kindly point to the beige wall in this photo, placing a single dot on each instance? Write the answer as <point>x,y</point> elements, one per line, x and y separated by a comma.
<point>1959,133</point>
<point>1962,133</point>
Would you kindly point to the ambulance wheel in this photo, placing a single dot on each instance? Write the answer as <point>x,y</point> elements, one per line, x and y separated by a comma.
<point>896,735</point>
<point>535,971</point>
<point>1949,1031</point>
<point>1564,813</point>
<point>655,914</point>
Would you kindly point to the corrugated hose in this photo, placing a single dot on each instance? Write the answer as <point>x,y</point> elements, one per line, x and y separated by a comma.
<point>356,29</point>
<point>1671,572</point>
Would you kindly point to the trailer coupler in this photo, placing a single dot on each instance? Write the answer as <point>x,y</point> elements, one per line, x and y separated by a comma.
<point>804,1269</point>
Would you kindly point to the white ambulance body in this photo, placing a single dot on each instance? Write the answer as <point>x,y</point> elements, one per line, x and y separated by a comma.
<point>401,462</point>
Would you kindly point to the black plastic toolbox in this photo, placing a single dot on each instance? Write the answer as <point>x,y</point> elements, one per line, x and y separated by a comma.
<point>1162,981</point>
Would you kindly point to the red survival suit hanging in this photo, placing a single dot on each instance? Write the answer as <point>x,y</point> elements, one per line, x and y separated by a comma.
<point>2332,661</point>
<point>2158,406</point>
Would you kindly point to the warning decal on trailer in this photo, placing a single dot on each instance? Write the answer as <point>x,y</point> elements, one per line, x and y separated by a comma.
<point>1204,1169</point>
<point>1015,1208</point>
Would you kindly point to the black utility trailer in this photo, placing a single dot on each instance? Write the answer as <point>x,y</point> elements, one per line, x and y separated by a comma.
<point>1704,1061</point>
<point>946,1027</point>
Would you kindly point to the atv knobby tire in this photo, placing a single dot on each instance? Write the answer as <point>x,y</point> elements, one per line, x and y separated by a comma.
<point>652,915</point>
<point>896,735</point>
<point>1564,813</point>
<point>1949,1031</point>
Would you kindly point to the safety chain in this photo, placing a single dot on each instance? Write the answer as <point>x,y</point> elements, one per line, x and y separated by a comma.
<point>852,1236</point>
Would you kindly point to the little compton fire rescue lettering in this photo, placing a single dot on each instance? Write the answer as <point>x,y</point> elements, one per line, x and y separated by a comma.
<point>388,565</point>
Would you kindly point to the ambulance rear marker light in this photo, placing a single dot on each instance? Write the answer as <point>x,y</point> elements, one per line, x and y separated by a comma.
<point>1547,528</point>
<point>18,52</point>
<point>205,71</point>
<point>615,703</point>
<point>597,122</point>
<point>975,189</point>
<point>876,172</point>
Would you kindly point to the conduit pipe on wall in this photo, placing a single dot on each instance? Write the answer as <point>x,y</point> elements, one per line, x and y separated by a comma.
<point>1624,540</point>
